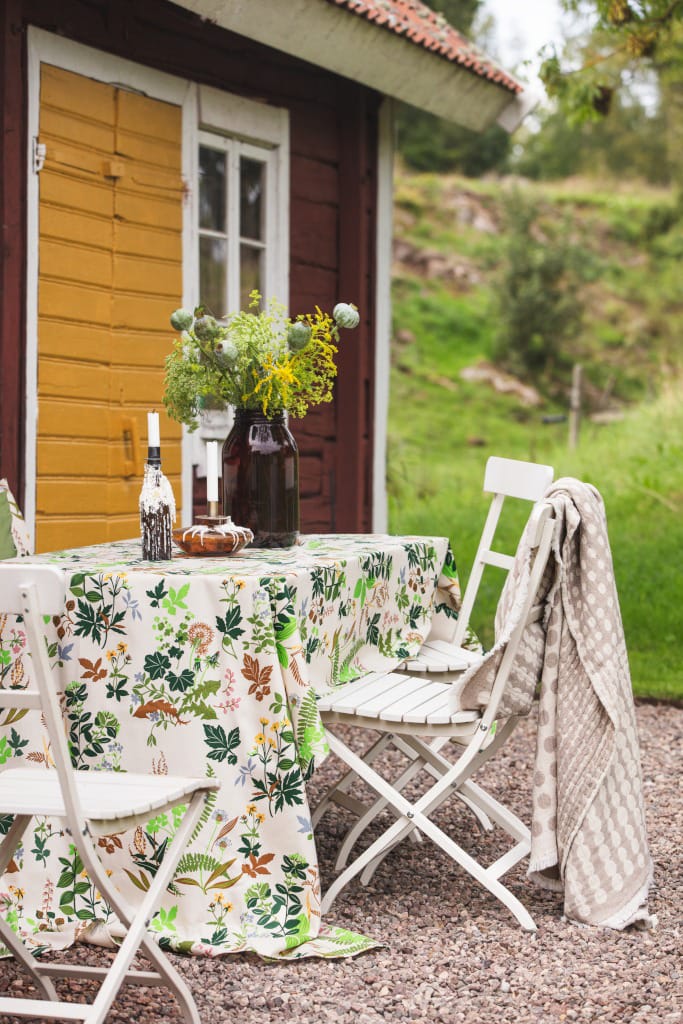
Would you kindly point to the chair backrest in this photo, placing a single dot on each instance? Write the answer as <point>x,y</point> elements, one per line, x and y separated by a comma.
<point>542,526</point>
<point>504,478</point>
<point>32,592</point>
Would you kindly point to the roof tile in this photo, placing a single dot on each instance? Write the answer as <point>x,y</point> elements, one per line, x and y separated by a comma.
<point>429,29</point>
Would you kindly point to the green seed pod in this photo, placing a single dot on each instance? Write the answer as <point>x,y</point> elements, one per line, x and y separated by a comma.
<point>181,319</point>
<point>298,336</point>
<point>345,314</point>
<point>226,352</point>
<point>206,328</point>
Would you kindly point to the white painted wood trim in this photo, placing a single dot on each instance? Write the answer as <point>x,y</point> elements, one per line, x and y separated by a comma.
<point>32,238</point>
<point>190,272</point>
<point>105,67</point>
<point>385,200</point>
<point>244,119</point>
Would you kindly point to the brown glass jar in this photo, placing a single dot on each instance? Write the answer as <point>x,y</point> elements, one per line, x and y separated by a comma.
<point>261,478</point>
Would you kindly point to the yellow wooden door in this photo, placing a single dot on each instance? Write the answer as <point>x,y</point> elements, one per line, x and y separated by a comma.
<point>110,273</point>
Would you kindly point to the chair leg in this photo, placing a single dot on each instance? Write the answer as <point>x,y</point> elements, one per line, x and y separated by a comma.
<point>9,937</point>
<point>412,815</point>
<point>343,785</point>
<point>137,921</point>
<point>436,767</point>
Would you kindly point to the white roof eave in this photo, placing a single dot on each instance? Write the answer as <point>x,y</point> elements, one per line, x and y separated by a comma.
<point>334,38</point>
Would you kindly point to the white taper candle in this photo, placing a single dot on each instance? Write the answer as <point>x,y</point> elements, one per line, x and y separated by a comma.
<point>153,430</point>
<point>212,470</point>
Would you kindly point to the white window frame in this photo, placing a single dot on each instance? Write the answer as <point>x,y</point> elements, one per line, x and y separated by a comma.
<point>263,132</point>
<point>234,150</point>
<point>204,108</point>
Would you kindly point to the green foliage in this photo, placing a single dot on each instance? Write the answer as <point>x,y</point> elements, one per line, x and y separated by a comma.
<point>442,428</point>
<point>627,36</point>
<point>428,143</point>
<point>630,142</point>
<point>258,359</point>
<point>459,13</point>
<point>536,302</point>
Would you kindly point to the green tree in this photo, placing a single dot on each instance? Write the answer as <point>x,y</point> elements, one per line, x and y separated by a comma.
<point>629,143</point>
<point>538,311</point>
<point>626,37</point>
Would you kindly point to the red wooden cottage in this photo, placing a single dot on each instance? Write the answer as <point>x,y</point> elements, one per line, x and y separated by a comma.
<point>157,152</point>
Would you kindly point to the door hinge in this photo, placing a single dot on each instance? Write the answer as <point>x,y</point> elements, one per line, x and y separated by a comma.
<point>39,152</point>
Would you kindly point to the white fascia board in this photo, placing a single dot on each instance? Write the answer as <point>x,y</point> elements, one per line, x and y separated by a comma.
<point>340,41</point>
<point>517,109</point>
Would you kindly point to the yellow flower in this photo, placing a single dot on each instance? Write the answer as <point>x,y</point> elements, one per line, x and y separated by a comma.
<point>111,655</point>
<point>259,738</point>
<point>251,808</point>
<point>271,741</point>
<point>121,647</point>
<point>260,818</point>
<point>263,721</point>
<point>276,726</point>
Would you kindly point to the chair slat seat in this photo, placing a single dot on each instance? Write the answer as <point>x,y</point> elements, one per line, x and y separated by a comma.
<point>398,698</point>
<point>104,796</point>
<point>440,656</point>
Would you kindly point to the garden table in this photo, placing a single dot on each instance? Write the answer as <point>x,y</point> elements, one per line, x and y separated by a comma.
<point>211,666</point>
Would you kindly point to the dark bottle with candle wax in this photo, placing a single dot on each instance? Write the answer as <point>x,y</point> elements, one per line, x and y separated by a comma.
<point>157,510</point>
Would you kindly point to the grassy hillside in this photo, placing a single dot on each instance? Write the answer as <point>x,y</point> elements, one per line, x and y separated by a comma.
<point>443,427</point>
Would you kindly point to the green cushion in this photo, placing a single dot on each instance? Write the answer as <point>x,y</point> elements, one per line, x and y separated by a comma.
<point>21,543</point>
<point>7,548</point>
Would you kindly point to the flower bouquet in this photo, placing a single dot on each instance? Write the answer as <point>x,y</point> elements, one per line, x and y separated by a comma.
<point>264,365</point>
<point>255,360</point>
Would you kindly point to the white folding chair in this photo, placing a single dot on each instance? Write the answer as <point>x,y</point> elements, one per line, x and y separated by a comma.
<point>91,804</point>
<point>503,478</point>
<point>412,712</point>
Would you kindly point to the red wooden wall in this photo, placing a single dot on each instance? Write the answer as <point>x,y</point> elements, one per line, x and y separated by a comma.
<point>333,124</point>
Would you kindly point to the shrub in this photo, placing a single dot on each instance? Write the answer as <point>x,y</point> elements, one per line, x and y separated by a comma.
<point>538,309</point>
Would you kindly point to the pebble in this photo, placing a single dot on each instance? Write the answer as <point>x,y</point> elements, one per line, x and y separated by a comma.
<point>453,954</point>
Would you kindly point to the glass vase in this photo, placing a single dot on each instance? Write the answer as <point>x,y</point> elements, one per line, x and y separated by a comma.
<point>261,478</point>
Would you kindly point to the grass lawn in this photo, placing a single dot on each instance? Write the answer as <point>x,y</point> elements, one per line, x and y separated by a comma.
<point>435,480</point>
<point>442,428</point>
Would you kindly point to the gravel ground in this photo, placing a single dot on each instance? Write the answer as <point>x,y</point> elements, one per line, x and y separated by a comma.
<point>452,952</point>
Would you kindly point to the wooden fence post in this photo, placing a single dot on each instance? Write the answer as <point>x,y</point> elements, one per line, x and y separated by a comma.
<point>575,406</point>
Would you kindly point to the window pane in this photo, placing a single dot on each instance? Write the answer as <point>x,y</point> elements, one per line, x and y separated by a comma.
<point>212,274</point>
<point>211,189</point>
<point>251,274</point>
<point>252,182</point>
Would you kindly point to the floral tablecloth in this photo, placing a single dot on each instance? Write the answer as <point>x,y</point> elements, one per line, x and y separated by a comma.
<point>210,667</point>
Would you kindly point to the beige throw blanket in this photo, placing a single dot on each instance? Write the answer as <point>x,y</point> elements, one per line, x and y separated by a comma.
<point>588,823</point>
